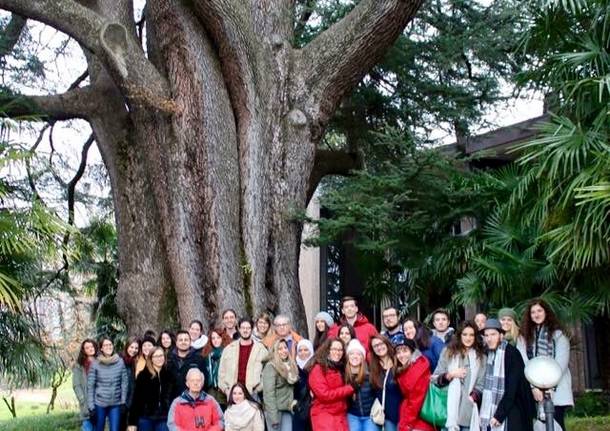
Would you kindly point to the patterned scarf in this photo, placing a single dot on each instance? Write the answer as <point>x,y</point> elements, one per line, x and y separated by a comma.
<point>493,391</point>
<point>543,344</point>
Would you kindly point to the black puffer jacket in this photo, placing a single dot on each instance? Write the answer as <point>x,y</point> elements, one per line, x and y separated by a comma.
<point>152,396</point>
<point>363,400</point>
<point>179,367</point>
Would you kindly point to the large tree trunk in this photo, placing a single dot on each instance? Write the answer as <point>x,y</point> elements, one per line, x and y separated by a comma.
<point>210,140</point>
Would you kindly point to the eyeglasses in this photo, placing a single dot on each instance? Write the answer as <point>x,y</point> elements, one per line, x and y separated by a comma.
<point>376,346</point>
<point>281,324</point>
<point>158,356</point>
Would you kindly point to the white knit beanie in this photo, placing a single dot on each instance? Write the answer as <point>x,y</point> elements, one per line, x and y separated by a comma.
<point>355,346</point>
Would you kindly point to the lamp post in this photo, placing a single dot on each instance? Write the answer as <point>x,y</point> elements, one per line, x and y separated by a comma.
<point>544,373</point>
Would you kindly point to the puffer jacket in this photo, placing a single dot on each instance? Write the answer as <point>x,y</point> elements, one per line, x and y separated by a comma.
<point>330,395</point>
<point>279,394</point>
<point>179,367</point>
<point>189,414</point>
<point>107,382</point>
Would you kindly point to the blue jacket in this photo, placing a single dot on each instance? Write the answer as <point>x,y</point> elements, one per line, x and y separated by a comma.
<point>433,352</point>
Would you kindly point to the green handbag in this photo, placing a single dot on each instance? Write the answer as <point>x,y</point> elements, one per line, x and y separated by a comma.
<point>434,410</point>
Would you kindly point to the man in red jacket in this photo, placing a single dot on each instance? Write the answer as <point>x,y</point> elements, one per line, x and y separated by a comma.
<point>350,315</point>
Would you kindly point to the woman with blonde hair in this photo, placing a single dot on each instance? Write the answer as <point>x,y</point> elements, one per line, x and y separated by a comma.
<point>357,375</point>
<point>508,320</point>
<point>279,376</point>
<point>152,396</point>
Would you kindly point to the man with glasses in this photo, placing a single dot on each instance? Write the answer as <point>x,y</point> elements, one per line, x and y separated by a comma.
<point>391,322</point>
<point>195,410</point>
<point>282,329</point>
<point>242,361</point>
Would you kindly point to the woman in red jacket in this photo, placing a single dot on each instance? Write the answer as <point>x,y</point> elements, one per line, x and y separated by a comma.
<point>413,376</point>
<point>330,393</point>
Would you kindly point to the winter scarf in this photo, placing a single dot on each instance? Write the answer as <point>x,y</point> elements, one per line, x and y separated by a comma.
<point>493,390</point>
<point>300,362</point>
<point>108,360</point>
<point>287,369</point>
<point>213,365</point>
<point>543,344</point>
<point>241,415</point>
<point>454,396</point>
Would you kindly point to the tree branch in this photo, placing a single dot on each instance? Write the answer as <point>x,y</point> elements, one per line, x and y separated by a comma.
<point>12,33</point>
<point>80,102</point>
<point>328,162</point>
<point>112,42</point>
<point>333,63</point>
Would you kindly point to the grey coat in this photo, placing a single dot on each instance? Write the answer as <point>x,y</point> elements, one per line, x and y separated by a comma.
<point>79,384</point>
<point>107,383</point>
<point>465,410</point>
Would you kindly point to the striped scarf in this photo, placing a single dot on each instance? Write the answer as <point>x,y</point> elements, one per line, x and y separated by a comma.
<point>543,344</point>
<point>493,391</point>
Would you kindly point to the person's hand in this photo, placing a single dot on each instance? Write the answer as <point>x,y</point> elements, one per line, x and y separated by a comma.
<point>132,428</point>
<point>538,394</point>
<point>494,422</point>
<point>275,426</point>
<point>459,373</point>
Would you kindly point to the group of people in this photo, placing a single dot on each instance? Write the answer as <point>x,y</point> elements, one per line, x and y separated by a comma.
<point>261,375</point>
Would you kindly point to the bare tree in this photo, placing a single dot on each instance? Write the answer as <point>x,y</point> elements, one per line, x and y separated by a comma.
<point>210,138</point>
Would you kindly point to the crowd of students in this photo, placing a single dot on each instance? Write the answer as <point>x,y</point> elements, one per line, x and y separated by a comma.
<point>261,375</point>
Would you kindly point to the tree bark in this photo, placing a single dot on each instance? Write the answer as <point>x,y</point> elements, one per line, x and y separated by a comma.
<point>210,139</point>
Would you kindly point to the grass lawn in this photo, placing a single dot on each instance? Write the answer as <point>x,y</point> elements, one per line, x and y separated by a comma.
<point>65,421</point>
<point>34,402</point>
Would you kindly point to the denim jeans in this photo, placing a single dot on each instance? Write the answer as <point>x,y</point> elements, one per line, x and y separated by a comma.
<point>390,426</point>
<point>361,423</point>
<point>87,426</point>
<point>113,413</point>
<point>285,422</point>
<point>147,424</point>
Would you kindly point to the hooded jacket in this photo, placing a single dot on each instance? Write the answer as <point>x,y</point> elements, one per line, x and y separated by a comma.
<point>189,414</point>
<point>330,395</point>
<point>414,382</point>
<point>363,328</point>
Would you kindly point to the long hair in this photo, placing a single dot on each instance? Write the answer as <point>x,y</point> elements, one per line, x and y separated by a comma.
<point>172,337</point>
<point>376,370</point>
<point>82,356</point>
<point>226,340</point>
<point>247,396</point>
<point>129,360</point>
<point>456,347</point>
<point>358,378</point>
<point>320,336</point>
<point>423,338</point>
<point>149,363</point>
<point>321,355</point>
<point>528,327</point>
